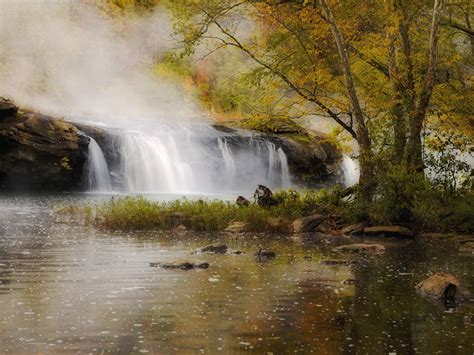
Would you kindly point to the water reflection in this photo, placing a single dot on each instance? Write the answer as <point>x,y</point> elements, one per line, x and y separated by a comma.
<point>65,288</point>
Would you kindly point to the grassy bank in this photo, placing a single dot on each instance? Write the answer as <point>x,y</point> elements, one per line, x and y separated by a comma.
<point>137,213</point>
<point>427,210</point>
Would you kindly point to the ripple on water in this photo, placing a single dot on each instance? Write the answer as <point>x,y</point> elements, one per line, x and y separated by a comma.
<point>65,288</point>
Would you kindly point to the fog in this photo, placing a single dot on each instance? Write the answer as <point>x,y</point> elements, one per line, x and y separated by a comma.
<point>62,58</point>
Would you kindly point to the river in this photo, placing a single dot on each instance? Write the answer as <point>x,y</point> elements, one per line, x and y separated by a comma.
<point>68,288</point>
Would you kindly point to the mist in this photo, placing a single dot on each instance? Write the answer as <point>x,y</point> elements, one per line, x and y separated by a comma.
<point>64,59</point>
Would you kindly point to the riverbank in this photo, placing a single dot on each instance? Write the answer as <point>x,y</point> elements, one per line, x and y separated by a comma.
<point>332,212</point>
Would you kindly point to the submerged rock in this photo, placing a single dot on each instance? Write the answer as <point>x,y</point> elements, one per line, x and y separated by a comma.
<point>180,265</point>
<point>214,249</point>
<point>361,248</point>
<point>308,224</point>
<point>236,227</point>
<point>442,286</point>
<point>389,231</point>
<point>264,255</point>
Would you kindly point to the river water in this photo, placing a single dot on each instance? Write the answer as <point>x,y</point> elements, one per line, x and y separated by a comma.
<point>67,288</point>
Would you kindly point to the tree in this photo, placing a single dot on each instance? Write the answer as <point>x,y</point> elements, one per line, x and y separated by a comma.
<point>373,71</point>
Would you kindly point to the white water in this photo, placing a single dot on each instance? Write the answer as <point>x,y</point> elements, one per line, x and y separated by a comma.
<point>97,169</point>
<point>350,168</point>
<point>179,159</point>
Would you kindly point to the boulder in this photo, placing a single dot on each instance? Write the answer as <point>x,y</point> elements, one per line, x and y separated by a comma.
<point>180,265</point>
<point>236,227</point>
<point>264,255</point>
<point>214,249</point>
<point>354,229</point>
<point>264,196</point>
<point>361,248</point>
<point>389,231</point>
<point>308,224</point>
<point>442,286</point>
<point>39,152</point>
<point>242,201</point>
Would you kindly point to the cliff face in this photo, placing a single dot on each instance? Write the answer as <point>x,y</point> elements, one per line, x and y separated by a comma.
<point>38,152</point>
<point>42,153</point>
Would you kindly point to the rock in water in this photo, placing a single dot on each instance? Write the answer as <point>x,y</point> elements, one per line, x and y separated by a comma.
<point>242,201</point>
<point>264,255</point>
<point>308,224</point>
<point>264,196</point>
<point>361,248</point>
<point>214,249</point>
<point>442,286</point>
<point>389,231</point>
<point>180,265</point>
<point>354,229</point>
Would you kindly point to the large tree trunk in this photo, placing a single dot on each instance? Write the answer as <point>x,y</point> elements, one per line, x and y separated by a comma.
<point>414,153</point>
<point>398,110</point>
<point>367,179</point>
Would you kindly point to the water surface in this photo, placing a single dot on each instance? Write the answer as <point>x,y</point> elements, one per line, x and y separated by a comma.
<point>67,288</point>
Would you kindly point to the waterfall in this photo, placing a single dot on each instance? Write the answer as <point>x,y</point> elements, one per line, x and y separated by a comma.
<point>227,156</point>
<point>153,164</point>
<point>176,159</point>
<point>285,171</point>
<point>97,169</point>
<point>350,169</point>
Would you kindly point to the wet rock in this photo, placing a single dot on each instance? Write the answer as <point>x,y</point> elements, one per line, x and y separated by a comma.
<point>236,227</point>
<point>39,152</point>
<point>242,201</point>
<point>308,224</point>
<point>7,108</point>
<point>389,231</point>
<point>214,249</point>
<point>361,248</point>
<point>264,255</point>
<point>354,229</point>
<point>180,265</point>
<point>264,196</point>
<point>442,286</point>
<point>201,265</point>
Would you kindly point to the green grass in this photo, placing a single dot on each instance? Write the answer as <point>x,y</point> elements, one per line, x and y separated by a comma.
<point>137,213</point>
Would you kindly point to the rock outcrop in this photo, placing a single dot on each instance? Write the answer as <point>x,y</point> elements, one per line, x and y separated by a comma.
<point>308,224</point>
<point>38,152</point>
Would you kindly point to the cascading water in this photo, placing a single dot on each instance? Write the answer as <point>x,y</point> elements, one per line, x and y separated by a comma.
<point>97,169</point>
<point>175,159</point>
<point>350,169</point>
